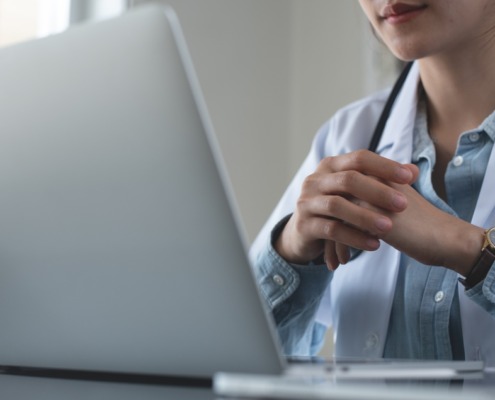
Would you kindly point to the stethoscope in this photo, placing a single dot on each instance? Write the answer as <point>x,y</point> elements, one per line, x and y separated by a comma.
<point>382,121</point>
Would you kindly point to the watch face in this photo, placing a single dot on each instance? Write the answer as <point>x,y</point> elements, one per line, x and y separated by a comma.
<point>491,237</point>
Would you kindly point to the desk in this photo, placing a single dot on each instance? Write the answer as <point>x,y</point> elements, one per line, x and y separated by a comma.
<point>32,388</point>
<point>29,388</point>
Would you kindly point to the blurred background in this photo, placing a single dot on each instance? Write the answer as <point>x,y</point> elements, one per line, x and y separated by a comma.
<point>272,72</point>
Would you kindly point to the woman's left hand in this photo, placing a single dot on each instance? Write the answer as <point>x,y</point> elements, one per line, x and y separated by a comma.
<point>432,236</point>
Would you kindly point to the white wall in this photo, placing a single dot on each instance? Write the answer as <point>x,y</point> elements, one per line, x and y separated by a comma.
<point>328,66</point>
<point>272,71</point>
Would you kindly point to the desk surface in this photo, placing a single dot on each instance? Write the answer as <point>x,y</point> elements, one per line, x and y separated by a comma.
<point>27,388</point>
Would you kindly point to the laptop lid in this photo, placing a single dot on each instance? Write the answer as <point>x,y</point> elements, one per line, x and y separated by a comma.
<point>119,242</point>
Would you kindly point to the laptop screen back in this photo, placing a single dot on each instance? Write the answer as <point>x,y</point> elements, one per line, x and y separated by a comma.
<point>119,249</point>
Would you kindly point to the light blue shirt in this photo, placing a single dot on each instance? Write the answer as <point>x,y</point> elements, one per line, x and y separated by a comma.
<point>425,318</point>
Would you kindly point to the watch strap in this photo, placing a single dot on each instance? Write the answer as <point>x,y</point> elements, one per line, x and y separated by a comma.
<point>480,268</point>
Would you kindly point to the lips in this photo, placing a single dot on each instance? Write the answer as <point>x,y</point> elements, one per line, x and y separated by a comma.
<point>399,9</point>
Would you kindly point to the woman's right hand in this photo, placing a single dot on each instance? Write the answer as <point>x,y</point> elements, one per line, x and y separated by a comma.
<point>328,219</point>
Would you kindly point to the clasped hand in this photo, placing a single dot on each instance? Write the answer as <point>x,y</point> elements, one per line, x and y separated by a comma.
<point>356,200</point>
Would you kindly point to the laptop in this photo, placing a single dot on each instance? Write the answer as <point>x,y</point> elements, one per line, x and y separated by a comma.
<point>120,247</point>
<point>122,254</point>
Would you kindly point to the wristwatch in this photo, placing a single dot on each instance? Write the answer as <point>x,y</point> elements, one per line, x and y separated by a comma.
<point>484,262</point>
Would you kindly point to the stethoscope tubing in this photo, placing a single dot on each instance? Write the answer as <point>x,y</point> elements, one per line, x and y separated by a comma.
<point>387,109</point>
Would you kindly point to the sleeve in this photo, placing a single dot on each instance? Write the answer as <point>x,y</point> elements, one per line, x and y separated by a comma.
<point>484,292</point>
<point>293,293</point>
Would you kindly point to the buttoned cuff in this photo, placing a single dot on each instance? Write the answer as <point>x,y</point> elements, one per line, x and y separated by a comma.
<point>278,280</point>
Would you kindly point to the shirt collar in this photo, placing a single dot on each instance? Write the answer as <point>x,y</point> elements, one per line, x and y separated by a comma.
<point>488,126</point>
<point>422,143</point>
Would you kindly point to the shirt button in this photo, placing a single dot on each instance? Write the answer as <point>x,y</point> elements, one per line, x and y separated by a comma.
<point>474,137</point>
<point>458,161</point>
<point>439,296</point>
<point>278,280</point>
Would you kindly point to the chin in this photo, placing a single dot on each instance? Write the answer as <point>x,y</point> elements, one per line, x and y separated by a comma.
<point>407,51</point>
<point>406,57</point>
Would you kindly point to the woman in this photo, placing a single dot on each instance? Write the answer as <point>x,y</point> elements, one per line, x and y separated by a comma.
<point>374,245</point>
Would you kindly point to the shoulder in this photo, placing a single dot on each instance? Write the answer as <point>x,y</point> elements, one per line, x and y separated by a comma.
<point>352,126</point>
<point>368,108</point>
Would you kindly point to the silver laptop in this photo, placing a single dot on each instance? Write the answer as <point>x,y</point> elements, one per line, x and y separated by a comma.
<point>121,252</point>
<point>119,247</point>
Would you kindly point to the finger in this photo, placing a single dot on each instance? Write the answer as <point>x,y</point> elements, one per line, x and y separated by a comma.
<point>414,170</point>
<point>337,231</point>
<point>345,210</point>
<point>330,256</point>
<point>343,253</point>
<point>363,187</point>
<point>369,163</point>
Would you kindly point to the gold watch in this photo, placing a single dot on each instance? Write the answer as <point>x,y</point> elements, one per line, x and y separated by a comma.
<point>484,263</point>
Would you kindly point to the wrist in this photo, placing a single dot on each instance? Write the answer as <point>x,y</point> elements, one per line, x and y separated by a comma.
<point>484,262</point>
<point>466,245</point>
<point>278,239</point>
<point>284,244</point>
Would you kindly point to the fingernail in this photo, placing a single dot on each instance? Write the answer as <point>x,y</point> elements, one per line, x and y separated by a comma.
<point>399,201</point>
<point>404,174</point>
<point>373,244</point>
<point>383,224</point>
<point>345,260</point>
<point>330,266</point>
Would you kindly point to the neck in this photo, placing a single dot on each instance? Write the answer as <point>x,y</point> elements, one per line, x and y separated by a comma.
<point>460,91</point>
<point>460,94</point>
